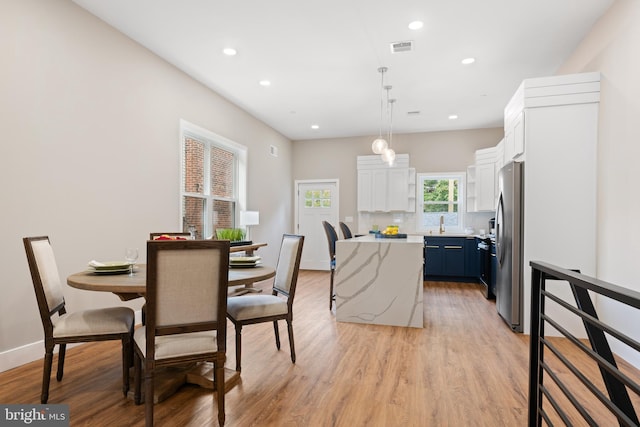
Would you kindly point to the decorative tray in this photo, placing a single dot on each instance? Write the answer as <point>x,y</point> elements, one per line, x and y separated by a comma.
<point>391,236</point>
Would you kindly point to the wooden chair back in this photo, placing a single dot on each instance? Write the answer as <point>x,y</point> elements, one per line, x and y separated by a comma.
<point>46,280</point>
<point>288,266</point>
<point>186,288</point>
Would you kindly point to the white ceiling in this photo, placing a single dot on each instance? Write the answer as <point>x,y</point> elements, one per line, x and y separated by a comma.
<point>322,56</point>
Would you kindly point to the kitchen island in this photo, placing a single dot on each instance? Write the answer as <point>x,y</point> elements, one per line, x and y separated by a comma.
<point>379,280</point>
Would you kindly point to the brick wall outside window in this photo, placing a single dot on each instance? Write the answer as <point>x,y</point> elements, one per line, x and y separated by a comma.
<point>221,186</point>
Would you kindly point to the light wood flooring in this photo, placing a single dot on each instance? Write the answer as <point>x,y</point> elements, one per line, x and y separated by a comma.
<point>465,368</point>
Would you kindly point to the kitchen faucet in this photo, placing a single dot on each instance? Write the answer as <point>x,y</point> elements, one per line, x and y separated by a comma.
<point>441,224</point>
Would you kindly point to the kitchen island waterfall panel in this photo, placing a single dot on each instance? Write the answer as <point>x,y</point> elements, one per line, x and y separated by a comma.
<point>379,281</point>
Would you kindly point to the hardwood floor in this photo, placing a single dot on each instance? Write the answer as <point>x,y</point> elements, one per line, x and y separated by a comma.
<point>465,368</point>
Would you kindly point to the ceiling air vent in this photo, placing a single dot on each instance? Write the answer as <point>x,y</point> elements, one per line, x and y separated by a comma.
<point>406,46</point>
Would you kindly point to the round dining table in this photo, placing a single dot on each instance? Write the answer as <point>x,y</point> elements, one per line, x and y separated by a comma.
<point>128,287</point>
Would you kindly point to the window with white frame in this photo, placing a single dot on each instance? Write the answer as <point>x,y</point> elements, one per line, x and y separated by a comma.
<point>440,196</point>
<point>213,180</point>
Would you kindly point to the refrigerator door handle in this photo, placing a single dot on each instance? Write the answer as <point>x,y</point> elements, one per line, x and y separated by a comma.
<point>500,230</point>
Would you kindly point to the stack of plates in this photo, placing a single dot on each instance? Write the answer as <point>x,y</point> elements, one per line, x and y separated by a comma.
<point>109,267</point>
<point>244,261</point>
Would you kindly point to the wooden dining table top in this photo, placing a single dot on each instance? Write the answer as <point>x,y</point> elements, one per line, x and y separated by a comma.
<point>128,286</point>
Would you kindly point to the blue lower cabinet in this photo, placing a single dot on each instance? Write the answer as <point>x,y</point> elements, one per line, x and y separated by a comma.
<point>472,258</point>
<point>433,265</point>
<point>447,257</point>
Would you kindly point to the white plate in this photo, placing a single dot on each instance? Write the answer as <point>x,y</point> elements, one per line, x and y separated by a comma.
<point>112,271</point>
<point>244,259</point>
<point>109,265</point>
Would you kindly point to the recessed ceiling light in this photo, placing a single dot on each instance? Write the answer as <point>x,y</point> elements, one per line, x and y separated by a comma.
<point>453,116</point>
<point>416,25</point>
<point>265,83</point>
<point>314,127</point>
<point>229,51</point>
<point>467,61</point>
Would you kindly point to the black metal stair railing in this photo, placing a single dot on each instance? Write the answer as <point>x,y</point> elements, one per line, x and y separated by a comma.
<point>615,397</point>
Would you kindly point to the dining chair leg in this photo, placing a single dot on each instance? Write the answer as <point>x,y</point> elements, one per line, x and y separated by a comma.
<point>238,346</point>
<point>277,332</point>
<point>220,388</point>
<point>291,345</point>
<point>46,375</point>
<point>148,395</point>
<point>126,363</point>
<point>137,379</point>
<point>62,351</point>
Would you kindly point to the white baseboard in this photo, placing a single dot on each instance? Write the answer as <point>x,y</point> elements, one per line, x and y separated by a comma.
<point>34,351</point>
<point>21,355</point>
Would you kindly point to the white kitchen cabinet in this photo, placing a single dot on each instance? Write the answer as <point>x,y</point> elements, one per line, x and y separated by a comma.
<point>514,136</point>
<point>397,189</point>
<point>485,187</point>
<point>481,182</point>
<point>382,188</point>
<point>557,118</point>
<point>372,189</point>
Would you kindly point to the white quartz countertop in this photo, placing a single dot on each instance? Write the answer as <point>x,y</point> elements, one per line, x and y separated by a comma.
<point>373,239</point>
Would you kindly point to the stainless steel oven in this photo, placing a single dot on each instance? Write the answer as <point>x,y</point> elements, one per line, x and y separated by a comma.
<point>484,249</point>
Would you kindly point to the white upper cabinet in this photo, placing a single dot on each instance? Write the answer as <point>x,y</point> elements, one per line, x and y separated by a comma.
<point>481,181</point>
<point>384,188</point>
<point>485,188</point>
<point>514,136</point>
<point>543,92</point>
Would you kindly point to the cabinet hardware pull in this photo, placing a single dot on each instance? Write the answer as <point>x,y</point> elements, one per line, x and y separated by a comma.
<point>453,247</point>
<point>493,255</point>
<point>433,247</point>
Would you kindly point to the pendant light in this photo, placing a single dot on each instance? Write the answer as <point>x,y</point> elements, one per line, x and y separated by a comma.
<point>380,144</point>
<point>388,154</point>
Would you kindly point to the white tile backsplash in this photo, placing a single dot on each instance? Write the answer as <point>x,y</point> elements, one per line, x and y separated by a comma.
<point>407,221</point>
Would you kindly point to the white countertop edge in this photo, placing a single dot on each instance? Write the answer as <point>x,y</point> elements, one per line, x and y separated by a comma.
<point>371,238</point>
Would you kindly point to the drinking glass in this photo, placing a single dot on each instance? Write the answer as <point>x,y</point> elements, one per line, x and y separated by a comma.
<point>131,256</point>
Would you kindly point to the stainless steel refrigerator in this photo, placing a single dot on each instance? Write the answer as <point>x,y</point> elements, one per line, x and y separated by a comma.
<point>509,248</point>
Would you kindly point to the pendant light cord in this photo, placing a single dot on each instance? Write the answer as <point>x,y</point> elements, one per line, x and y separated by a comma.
<point>382,70</point>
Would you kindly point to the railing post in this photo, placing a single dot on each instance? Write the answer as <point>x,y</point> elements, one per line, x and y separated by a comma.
<point>535,349</point>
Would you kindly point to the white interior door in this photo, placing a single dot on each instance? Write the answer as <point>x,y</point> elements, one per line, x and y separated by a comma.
<point>316,201</point>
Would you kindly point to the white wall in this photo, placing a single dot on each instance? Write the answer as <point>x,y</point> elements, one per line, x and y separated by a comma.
<point>90,154</point>
<point>611,48</point>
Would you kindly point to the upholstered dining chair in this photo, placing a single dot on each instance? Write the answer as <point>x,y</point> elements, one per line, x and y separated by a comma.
<point>346,232</point>
<point>251,309</point>
<point>186,302</point>
<point>61,327</point>
<point>332,238</point>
